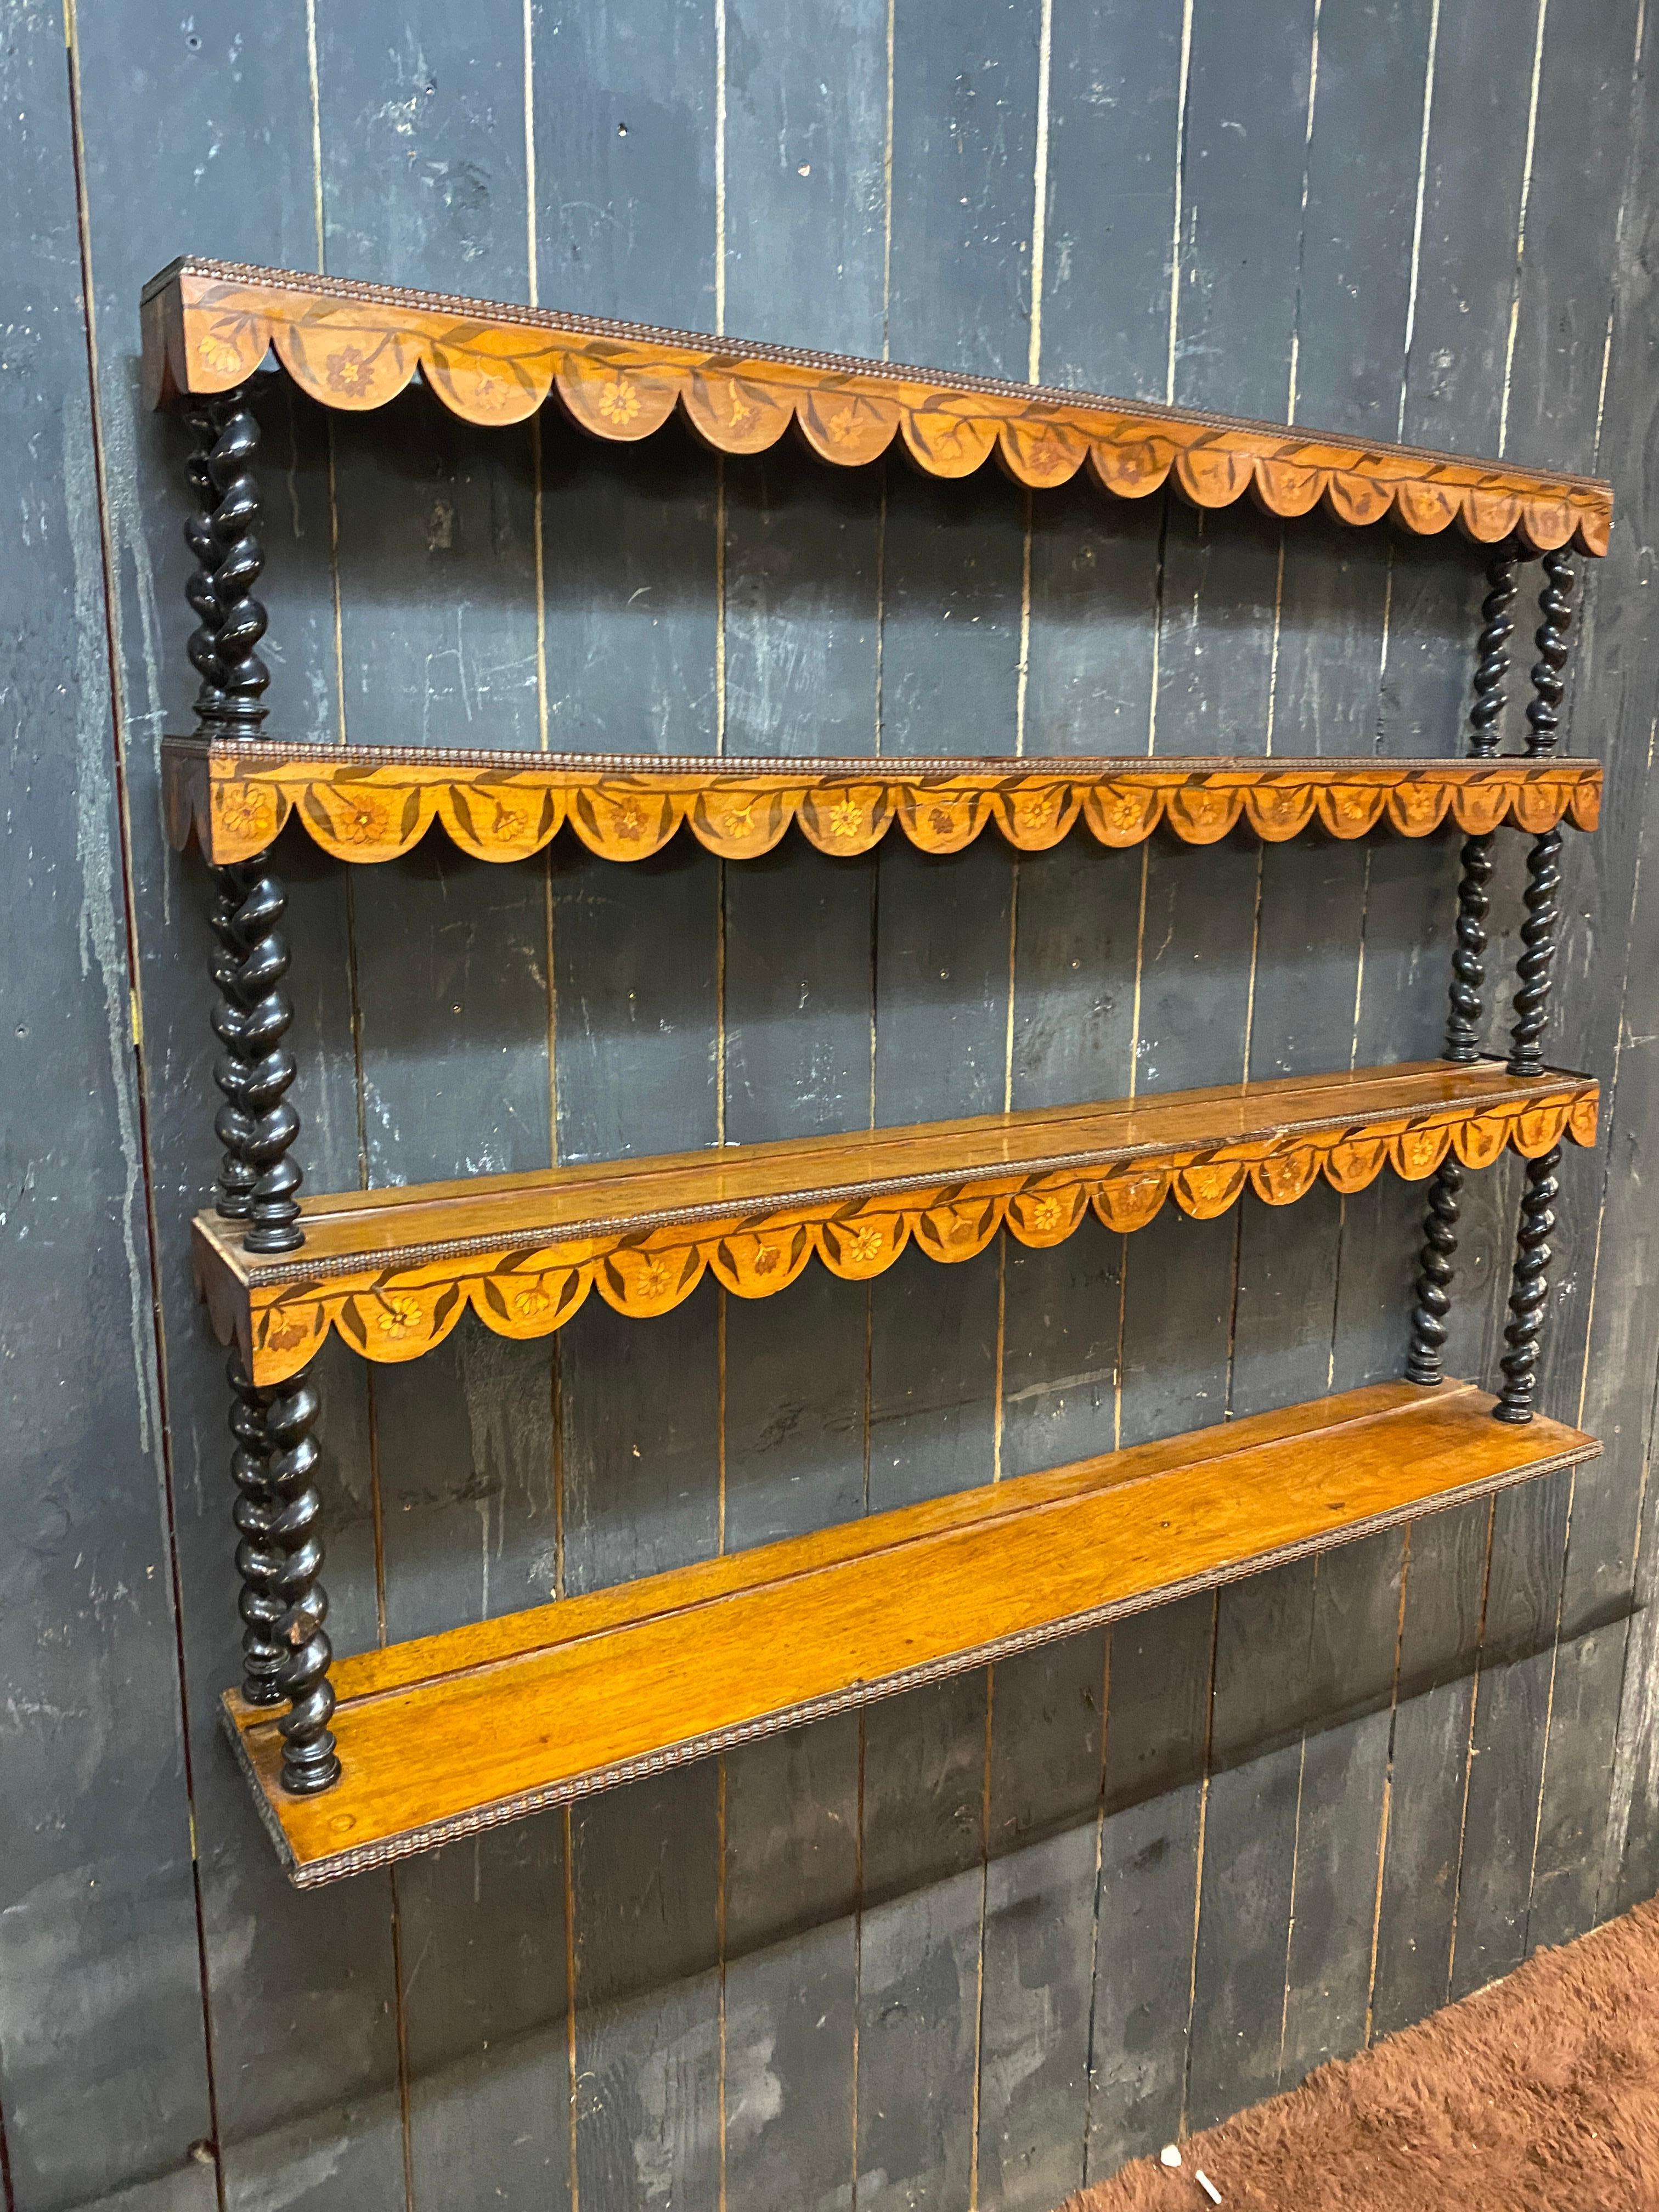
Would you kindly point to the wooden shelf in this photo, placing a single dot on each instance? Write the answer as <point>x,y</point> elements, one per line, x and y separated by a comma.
<point>208,325</point>
<point>367,806</point>
<point>393,1270</point>
<point>451,1734</point>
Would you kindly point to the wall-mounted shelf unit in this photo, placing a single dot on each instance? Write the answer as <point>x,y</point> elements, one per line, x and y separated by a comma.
<point>362,806</point>
<point>445,1735</point>
<point>458,1732</point>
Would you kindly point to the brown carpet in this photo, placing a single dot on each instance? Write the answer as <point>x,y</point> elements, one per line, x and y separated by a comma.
<point>1540,2094</point>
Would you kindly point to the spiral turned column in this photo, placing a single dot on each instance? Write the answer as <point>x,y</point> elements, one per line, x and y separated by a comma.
<point>1434,1277</point>
<point>1538,932</point>
<point>309,1763</point>
<point>1470,955</point>
<point>258,1184</point>
<point>233,1124</point>
<point>1529,1289</point>
<point>222,533</point>
<point>261,1115</point>
<point>258,1559</point>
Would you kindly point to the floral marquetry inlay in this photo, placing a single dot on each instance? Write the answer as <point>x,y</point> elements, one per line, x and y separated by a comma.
<point>234,798</point>
<point>393,1273</point>
<point>209,324</point>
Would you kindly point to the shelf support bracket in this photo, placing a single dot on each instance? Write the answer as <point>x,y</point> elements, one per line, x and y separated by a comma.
<point>1538,932</point>
<point>1529,1289</point>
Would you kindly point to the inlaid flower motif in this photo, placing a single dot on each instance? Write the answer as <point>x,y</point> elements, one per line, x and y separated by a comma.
<point>941,821</point>
<point>399,1318</point>
<point>739,818</point>
<point>283,1331</point>
<point>1034,814</point>
<point>533,1302</point>
<point>842,427</point>
<point>510,820</point>
<point>619,401</point>
<point>657,1279</point>
<point>350,371</point>
<point>1126,811</point>
<point>865,1241</point>
<point>765,1260</point>
<point>364,825</point>
<point>218,353</point>
<point>243,813</point>
<point>629,823</point>
<point>847,818</point>
<point>743,413</point>
<point>1046,1213</point>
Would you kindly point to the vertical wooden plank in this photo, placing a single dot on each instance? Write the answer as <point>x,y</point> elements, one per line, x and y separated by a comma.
<point>1440,1633</point>
<point>1157,1737</point>
<point>1265,1681</point>
<point>1114,124</point>
<point>922,1893</point>
<point>101,1995</point>
<point>1042,1840</point>
<point>302,2019</point>
<point>1093,594</point>
<point>965,122</point>
<point>1584,244</point>
<point>1224,579</point>
<point>624,99</point>
<point>1339,1828</point>
<point>422,140</point>
<point>1334,648</point>
<point>1506,1748</point>
<point>805,194</point>
<point>1476,172</point>
<point>791,1966</point>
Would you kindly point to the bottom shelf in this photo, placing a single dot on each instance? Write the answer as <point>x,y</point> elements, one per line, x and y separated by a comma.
<point>448,1735</point>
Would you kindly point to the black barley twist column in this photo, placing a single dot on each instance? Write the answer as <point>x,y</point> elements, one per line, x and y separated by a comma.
<point>309,1763</point>
<point>257,1183</point>
<point>1529,1287</point>
<point>285,1647</point>
<point>258,1559</point>
<point>1544,860</point>
<point>1469,958</point>
<point>1425,1357</point>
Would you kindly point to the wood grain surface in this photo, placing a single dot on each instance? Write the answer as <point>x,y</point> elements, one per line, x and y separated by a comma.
<point>393,1270</point>
<point>209,324</point>
<point>465,1730</point>
<point>233,799</point>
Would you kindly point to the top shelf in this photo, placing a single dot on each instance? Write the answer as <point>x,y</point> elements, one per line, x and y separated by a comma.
<point>208,325</point>
<point>233,797</point>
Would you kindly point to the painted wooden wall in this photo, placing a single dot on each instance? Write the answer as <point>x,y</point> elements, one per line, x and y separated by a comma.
<point>998,1934</point>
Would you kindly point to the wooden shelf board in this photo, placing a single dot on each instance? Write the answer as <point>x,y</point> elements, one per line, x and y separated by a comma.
<point>234,798</point>
<point>453,1734</point>
<point>393,1270</point>
<point>208,325</point>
